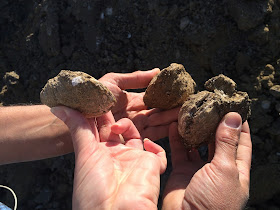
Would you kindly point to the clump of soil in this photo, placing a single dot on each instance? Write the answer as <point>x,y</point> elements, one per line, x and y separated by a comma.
<point>79,91</point>
<point>221,83</point>
<point>170,88</point>
<point>201,113</point>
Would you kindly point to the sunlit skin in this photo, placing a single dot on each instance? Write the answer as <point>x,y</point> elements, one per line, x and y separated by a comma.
<point>220,183</point>
<point>109,174</point>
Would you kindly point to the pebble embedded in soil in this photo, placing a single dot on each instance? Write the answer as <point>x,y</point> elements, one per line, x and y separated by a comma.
<point>266,104</point>
<point>79,91</point>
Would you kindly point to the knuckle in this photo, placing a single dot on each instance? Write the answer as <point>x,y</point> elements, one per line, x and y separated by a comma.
<point>230,140</point>
<point>110,74</point>
<point>226,167</point>
<point>137,72</point>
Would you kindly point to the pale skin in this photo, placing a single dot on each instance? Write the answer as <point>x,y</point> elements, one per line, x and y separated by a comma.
<point>109,174</point>
<point>33,132</point>
<point>220,183</point>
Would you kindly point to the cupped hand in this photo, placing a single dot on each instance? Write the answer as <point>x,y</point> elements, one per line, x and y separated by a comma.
<point>152,123</point>
<point>109,174</point>
<point>223,182</point>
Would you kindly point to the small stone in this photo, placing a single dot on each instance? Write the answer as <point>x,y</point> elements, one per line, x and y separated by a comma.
<point>79,91</point>
<point>184,22</point>
<point>266,104</point>
<point>268,70</point>
<point>170,88</point>
<point>275,91</point>
<point>109,11</point>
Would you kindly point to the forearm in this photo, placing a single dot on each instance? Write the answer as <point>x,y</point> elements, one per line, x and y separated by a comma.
<point>31,133</point>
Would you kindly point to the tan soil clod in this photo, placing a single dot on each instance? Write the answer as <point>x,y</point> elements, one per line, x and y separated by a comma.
<point>201,113</point>
<point>170,88</point>
<point>222,83</point>
<point>79,91</point>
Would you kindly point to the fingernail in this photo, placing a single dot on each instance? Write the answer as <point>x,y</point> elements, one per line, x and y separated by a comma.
<point>59,113</point>
<point>233,121</point>
<point>117,124</point>
<point>155,69</point>
<point>146,139</point>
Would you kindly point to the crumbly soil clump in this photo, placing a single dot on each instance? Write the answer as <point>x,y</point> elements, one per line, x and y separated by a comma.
<point>170,88</point>
<point>79,91</point>
<point>201,113</point>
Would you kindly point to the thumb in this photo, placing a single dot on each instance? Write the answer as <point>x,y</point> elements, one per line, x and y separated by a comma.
<point>79,127</point>
<point>227,137</point>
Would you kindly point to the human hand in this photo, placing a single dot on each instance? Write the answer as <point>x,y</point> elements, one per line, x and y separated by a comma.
<point>223,183</point>
<point>153,123</point>
<point>109,174</point>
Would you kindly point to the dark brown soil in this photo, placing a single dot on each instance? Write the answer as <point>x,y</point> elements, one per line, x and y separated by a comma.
<point>239,38</point>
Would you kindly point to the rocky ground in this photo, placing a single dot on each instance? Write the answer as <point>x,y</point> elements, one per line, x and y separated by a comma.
<point>239,38</point>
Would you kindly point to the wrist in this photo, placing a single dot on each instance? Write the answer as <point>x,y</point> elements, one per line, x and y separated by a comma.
<point>32,133</point>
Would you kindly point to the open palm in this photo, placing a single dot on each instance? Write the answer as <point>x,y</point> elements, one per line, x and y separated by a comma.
<point>109,173</point>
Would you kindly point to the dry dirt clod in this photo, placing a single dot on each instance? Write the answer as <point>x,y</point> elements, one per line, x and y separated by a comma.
<point>201,113</point>
<point>170,88</point>
<point>79,91</point>
<point>222,83</point>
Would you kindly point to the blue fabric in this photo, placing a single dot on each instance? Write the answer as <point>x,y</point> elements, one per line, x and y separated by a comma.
<point>4,207</point>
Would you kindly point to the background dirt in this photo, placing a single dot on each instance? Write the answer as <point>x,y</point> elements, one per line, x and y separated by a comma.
<point>239,38</point>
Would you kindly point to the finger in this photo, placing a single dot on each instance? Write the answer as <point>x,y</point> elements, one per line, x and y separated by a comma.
<point>137,100</point>
<point>227,136</point>
<point>155,133</point>
<point>138,79</point>
<point>127,129</point>
<point>82,136</point>
<point>158,150</point>
<point>147,113</point>
<point>104,127</point>
<point>164,117</point>
<point>178,151</point>
<point>244,154</point>
<point>140,118</point>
